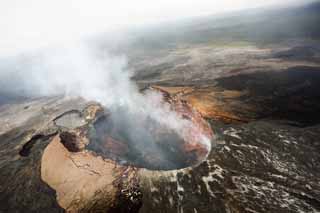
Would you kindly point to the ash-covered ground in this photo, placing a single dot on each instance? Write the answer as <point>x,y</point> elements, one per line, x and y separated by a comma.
<point>257,83</point>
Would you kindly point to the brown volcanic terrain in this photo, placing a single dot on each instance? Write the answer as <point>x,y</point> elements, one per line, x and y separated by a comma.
<point>264,156</point>
<point>261,101</point>
<point>240,83</point>
<point>253,96</point>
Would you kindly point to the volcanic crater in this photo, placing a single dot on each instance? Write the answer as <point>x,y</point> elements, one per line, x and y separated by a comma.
<point>131,140</point>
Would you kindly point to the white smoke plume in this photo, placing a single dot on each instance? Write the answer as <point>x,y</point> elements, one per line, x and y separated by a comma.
<point>81,70</point>
<point>77,68</point>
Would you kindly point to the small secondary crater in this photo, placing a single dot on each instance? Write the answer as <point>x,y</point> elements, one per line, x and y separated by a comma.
<point>71,119</point>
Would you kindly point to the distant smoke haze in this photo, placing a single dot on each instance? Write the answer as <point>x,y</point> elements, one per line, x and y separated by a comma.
<point>33,24</point>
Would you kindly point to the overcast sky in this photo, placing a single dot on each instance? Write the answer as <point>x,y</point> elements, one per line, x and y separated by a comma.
<point>26,24</point>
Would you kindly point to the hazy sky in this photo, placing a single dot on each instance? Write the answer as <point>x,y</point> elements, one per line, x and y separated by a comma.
<point>33,23</point>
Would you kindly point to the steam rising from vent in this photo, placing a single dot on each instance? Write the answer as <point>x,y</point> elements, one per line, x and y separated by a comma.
<point>79,70</point>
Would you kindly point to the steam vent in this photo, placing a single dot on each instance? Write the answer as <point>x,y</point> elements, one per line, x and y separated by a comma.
<point>71,155</point>
<point>145,143</point>
<point>160,106</point>
<point>85,158</point>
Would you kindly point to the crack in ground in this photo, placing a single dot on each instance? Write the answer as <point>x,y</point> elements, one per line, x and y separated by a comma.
<point>84,167</point>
